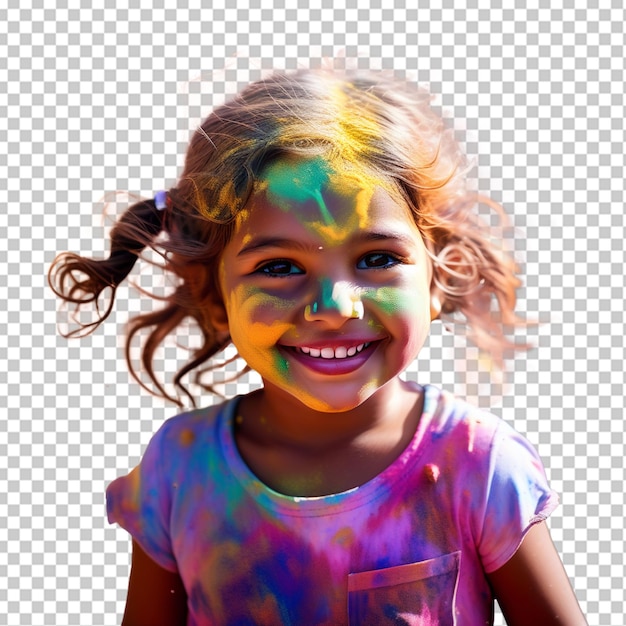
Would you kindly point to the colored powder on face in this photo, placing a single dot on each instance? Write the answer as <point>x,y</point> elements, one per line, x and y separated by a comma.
<point>255,321</point>
<point>326,292</point>
<point>340,296</point>
<point>256,315</point>
<point>391,300</point>
<point>281,365</point>
<point>351,216</point>
<point>299,181</point>
<point>363,200</point>
<point>288,182</point>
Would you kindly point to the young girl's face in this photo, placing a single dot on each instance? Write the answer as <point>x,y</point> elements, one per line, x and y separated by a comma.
<point>326,284</point>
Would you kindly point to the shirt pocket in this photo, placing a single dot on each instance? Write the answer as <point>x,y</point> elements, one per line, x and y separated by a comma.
<point>417,593</point>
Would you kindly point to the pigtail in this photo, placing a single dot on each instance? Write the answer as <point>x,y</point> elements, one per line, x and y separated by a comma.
<point>81,281</point>
<point>190,251</point>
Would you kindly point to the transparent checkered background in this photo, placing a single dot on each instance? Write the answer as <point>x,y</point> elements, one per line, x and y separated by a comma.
<point>98,100</point>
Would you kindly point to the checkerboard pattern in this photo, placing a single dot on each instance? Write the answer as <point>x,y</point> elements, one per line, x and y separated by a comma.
<point>96,100</point>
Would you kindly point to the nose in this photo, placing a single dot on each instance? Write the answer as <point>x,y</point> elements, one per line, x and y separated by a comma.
<point>335,301</point>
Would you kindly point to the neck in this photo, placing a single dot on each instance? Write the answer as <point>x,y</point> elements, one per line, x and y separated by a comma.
<point>299,451</point>
<point>276,418</point>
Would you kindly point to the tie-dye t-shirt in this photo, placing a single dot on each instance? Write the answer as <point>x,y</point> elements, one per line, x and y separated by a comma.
<point>411,546</point>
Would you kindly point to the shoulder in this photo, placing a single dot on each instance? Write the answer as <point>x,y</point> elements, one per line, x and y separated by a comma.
<point>480,445</point>
<point>493,476</point>
<point>189,429</point>
<point>142,501</point>
<point>180,443</point>
<point>456,424</point>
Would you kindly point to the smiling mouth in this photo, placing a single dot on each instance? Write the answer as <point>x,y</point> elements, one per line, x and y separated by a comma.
<point>340,352</point>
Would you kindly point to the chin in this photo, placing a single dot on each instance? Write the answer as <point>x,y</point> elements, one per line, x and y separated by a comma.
<point>341,401</point>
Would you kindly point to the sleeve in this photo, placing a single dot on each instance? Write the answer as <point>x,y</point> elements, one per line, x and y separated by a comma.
<point>518,496</point>
<point>141,503</point>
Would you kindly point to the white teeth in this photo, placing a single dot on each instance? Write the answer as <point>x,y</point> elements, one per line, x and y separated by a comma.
<point>334,353</point>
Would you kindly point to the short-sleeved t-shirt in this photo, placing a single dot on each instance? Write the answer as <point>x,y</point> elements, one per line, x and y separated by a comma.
<point>413,545</point>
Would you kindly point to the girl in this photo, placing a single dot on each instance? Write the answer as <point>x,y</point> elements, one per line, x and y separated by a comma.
<point>321,222</point>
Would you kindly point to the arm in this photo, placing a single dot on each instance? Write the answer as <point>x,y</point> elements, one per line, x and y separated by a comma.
<point>156,597</point>
<point>532,586</point>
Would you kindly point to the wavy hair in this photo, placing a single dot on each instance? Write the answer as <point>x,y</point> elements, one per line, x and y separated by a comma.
<point>366,121</point>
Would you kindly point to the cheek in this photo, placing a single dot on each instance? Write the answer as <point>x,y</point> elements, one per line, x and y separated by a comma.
<point>404,311</point>
<point>256,317</point>
<point>401,301</point>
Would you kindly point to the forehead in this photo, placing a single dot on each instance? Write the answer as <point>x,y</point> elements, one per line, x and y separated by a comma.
<point>331,199</point>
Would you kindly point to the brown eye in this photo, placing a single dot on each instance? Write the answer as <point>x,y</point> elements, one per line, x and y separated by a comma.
<point>280,267</point>
<point>377,260</point>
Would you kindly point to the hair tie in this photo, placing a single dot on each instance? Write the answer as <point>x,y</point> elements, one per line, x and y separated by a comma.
<point>160,200</point>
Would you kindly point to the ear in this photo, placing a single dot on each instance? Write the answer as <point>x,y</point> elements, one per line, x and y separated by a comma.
<point>218,315</point>
<point>436,301</point>
<point>437,297</point>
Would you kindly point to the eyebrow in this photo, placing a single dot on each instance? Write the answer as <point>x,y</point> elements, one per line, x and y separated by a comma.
<point>260,243</point>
